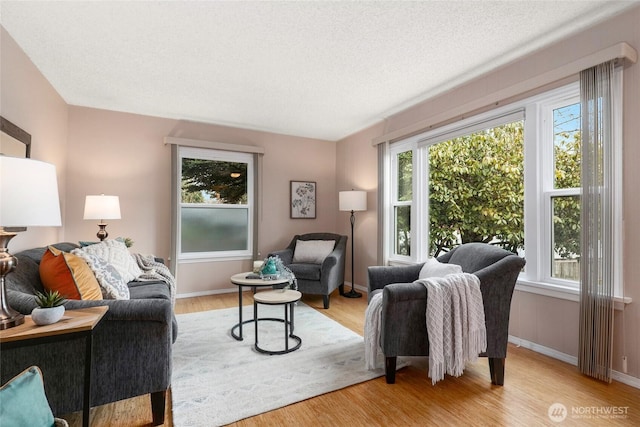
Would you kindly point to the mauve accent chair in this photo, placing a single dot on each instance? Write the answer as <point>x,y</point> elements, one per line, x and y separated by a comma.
<point>403,326</point>
<point>317,279</point>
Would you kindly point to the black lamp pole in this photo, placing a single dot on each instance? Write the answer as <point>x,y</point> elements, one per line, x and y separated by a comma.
<point>352,293</point>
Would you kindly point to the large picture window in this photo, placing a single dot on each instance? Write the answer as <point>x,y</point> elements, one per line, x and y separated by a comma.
<point>216,203</point>
<point>509,177</point>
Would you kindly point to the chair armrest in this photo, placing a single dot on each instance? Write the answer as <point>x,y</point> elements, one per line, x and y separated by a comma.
<point>330,261</point>
<point>403,328</point>
<point>286,255</point>
<point>332,270</point>
<point>381,276</point>
<point>497,282</point>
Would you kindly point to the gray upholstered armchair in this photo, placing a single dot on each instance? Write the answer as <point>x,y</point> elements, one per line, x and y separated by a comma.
<point>317,278</point>
<point>403,327</point>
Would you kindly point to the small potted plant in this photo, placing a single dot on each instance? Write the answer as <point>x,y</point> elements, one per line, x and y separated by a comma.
<point>50,308</point>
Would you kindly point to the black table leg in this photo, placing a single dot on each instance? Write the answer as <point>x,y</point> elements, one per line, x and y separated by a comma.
<point>291,315</point>
<point>240,310</point>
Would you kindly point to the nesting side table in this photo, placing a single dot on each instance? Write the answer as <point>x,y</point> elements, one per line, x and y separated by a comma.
<point>287,298</point>
<point>241,280</point>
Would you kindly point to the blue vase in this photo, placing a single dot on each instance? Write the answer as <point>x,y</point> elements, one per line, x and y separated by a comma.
<point>269,267</point>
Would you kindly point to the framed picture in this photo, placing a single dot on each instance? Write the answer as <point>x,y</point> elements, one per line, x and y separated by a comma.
<point>303,199</point>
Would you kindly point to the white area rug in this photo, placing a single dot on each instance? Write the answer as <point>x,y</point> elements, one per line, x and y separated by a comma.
<point>218,380</point>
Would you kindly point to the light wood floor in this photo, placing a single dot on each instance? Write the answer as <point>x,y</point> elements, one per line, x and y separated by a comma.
<point>533,383</point>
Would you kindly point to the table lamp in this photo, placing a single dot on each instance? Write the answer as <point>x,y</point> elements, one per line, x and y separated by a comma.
<point>352,201</point>
<point>28,198</point>
<point>102,207</point>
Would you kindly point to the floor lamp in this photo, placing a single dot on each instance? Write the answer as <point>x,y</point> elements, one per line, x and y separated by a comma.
<point>352,201</point>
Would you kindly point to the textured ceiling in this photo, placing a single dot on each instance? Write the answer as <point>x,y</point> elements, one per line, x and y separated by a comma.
<point>310,68</point>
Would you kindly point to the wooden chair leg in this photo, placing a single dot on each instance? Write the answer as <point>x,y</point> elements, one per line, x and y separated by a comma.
<point>390,369</point>
<point>158,400</point>
<point>325,301</point>
<point>496,368</point>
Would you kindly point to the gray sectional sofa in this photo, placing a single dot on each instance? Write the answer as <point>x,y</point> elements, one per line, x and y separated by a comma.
<point>131,345</point>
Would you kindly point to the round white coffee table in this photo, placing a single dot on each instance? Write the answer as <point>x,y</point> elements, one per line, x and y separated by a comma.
<point>241,280</point>
<point>287,298</point>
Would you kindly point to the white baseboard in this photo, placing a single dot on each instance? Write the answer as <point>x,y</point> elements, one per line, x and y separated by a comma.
<point>205,293</point>
<point>572,360</point>
<point>347,286</point>
<point>547,351</point>
<point>626,379</point>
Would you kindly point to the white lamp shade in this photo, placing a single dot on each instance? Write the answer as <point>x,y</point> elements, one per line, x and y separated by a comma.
<point>102,207</point>
<point>352,200</point>
<point>28,193</point>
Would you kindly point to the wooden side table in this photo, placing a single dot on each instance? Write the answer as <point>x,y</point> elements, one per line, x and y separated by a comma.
<point>74,324</point>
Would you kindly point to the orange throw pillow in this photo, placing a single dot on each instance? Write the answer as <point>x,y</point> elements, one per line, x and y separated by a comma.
<point>68,274</point>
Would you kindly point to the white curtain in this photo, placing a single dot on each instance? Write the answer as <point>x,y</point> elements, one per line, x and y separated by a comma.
<point>596,275</point>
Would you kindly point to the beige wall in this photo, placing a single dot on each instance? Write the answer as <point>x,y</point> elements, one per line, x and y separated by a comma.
<point>543,320</point>
<point>30,102</point>
<point>356,165</point>
<point>124,154</point>
<point>97,151</point>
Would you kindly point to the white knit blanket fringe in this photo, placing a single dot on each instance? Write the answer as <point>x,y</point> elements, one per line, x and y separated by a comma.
<point>153,270</point>
<point>372,323</point>
<point>455,323</point>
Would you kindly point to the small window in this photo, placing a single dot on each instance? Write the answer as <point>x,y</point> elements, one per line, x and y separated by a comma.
<point>402,202</point>
<point>216,206</point>
<point>565,196</point>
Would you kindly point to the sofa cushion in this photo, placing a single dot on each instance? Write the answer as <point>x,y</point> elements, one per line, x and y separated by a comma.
<point>115,253</point>
<point>305,271</point>
<point>24,402</point>
<point>112,284</point>
<point>312,251</point>
<point>434,268</point>
<point>69,275</point>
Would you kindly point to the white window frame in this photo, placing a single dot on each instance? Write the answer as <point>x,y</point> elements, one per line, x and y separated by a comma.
<point>540,138</point>
<point>538,166</point>
<point>393,202</point>
<point>224,156</point>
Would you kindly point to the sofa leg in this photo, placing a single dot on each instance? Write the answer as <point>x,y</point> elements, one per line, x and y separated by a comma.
<point>341,289</point>
<point>158,399</point>
<point>496,368</point>
<point>390,369</point>
<point>325,301</point>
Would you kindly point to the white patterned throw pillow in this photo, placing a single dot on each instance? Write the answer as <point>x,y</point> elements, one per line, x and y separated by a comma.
<point>434,268</point>
<point>112,285</point>
<point>312,251</point>
<point>116,253</point>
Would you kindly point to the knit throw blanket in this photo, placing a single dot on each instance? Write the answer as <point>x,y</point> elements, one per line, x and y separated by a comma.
<point>372,324</point>
<point>455,323</point>
<point>153,270</point>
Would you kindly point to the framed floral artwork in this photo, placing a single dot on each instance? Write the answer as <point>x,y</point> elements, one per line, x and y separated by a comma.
<point>303,199</point>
